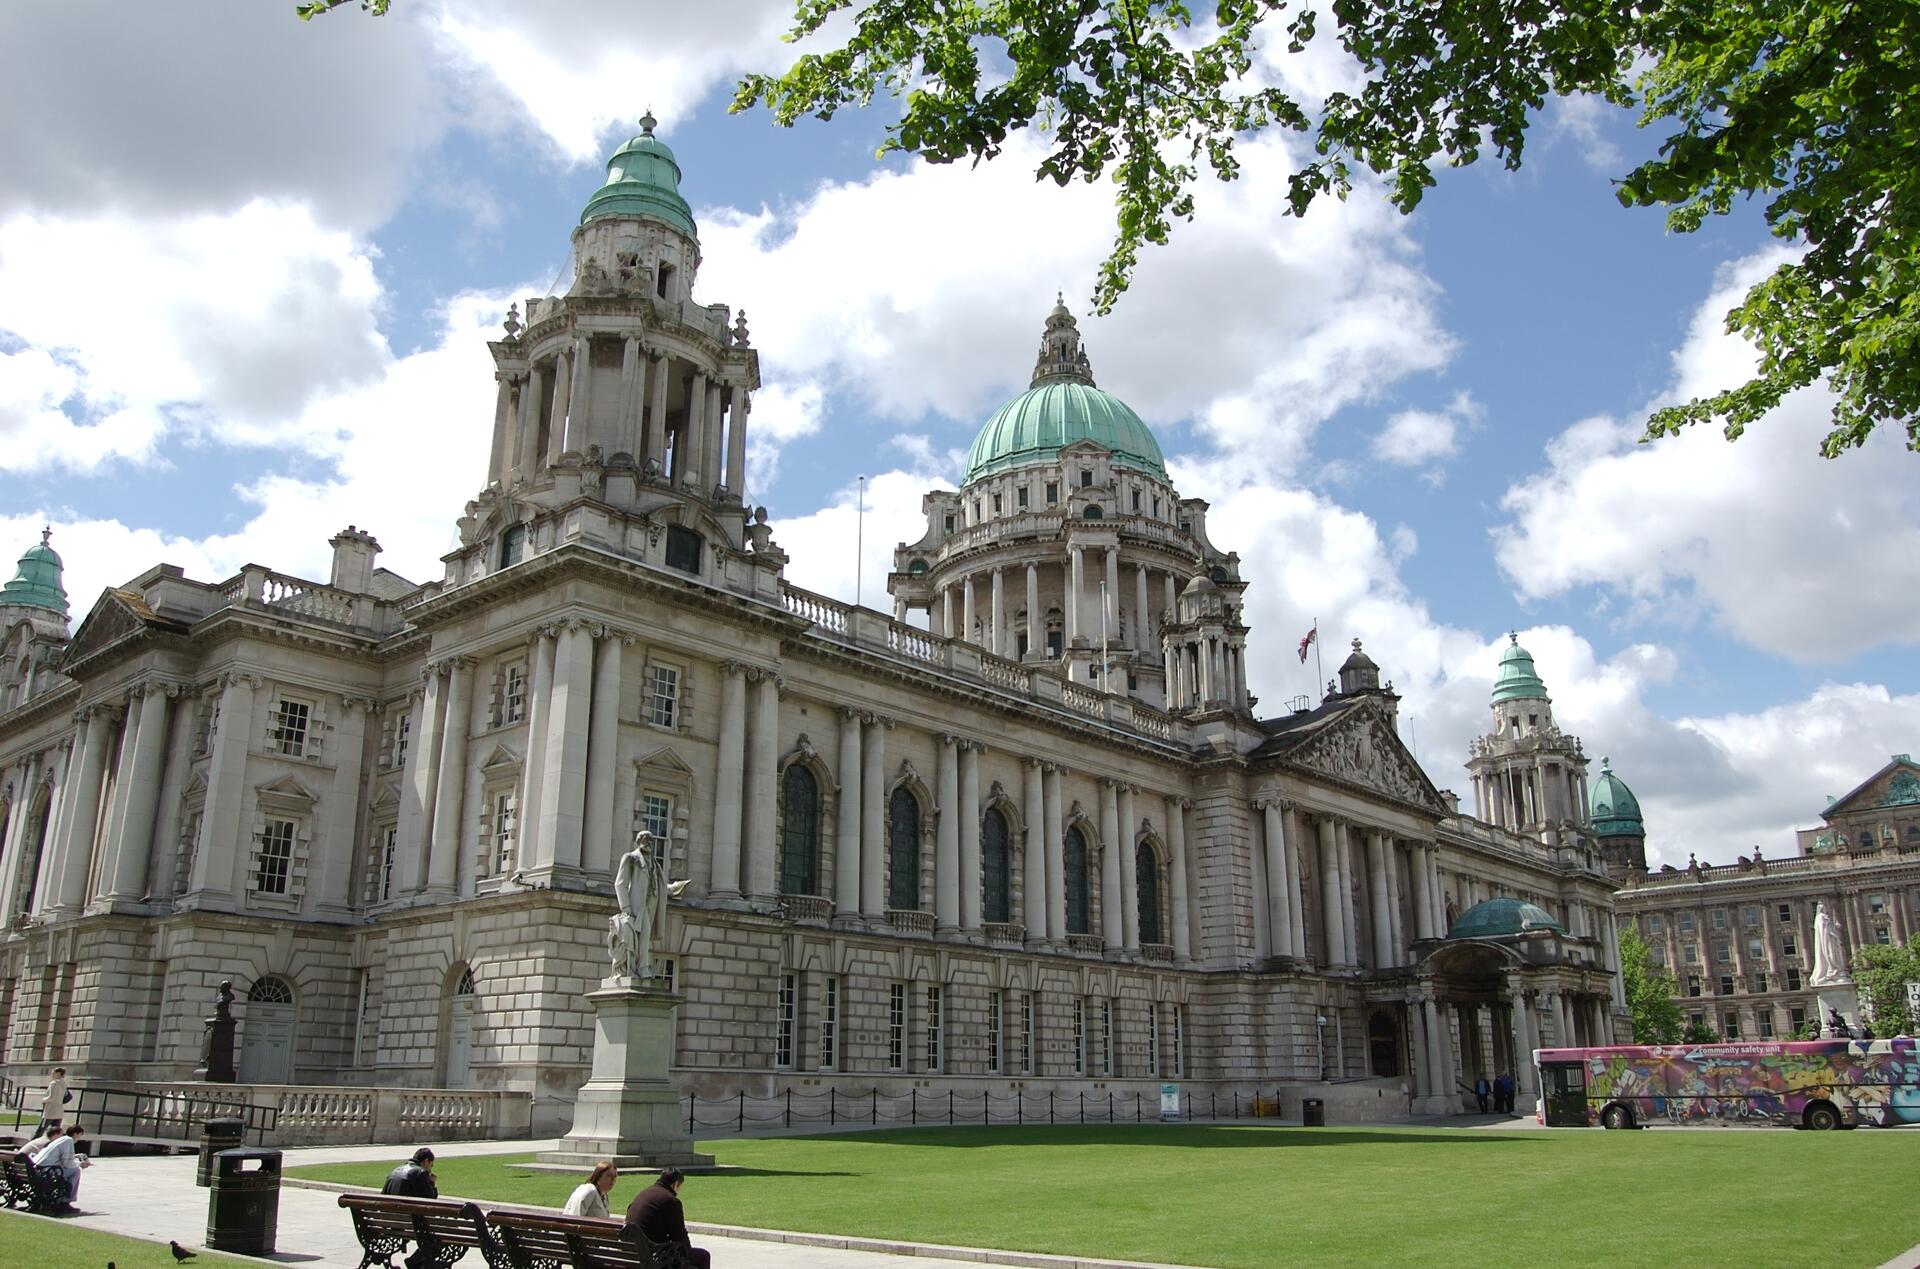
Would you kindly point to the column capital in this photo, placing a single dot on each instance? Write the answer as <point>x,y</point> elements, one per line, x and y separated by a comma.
<point>734,669</point>
<point>1034,764</point>
<point>947,739</point>
<point>240,678</point>
<point>365,704</point>
<point>877,720</point>
<point>847,713</point>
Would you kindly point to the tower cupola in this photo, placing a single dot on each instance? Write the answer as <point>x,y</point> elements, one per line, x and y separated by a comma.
<point>36,580</point>
<point>643,183</point>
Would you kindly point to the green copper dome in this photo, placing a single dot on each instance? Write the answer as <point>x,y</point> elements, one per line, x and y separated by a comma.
<point>1497,918</point>
<point>1614,809</point>
<point>1517,680</point>
<point>36,582</point>
<point>643,179</point>
<point>1060,408</point>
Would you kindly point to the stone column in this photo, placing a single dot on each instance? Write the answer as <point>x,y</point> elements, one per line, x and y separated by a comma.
<point>1033,852</point>
<point>1290,823</point>
<point>1382,926</point>
<point>1422,890</point>
<point>1422,1081</point>
<point>1610,934</point>
<point>1331,929</point>
<point>562,397</point>
<point>1142,627</point>
<point>1279,882</point>
<point>1111,613</point>
<point>112,845</point>
<point>711,460</point>
<point>1056,845</point>
<point>332,866</point>
<point>606,834</point>
<point>694,441</point>
<point>563,789</point>
<point>996,637</point>
<point>579,406</point>
<point>873,820</point>
<point>418,784</point>
<point>846,861</point>
<point>1129,873</point>
<point>946,840</point>
<point>737,442</point>
<point>499,459</point>
<point>443,863</point>
<point>660,366</point>
<point>1036,620</point>
<point>1433,1035</point>
<point>215,863</point>
<point>1177,878</point>
<point>728,784</point>
<point>627,426</point>
<point>763,761</point>
<point>533,768</point>
<point>967,617</point>
<point>1076,587</point>
<point>970,879</point>
<point>1112,923</point>
<point>1525,1042</point>
<point>530,456</point>
<point>80,819</point>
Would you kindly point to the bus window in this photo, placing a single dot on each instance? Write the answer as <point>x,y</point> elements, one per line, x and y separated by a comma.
<point>1566,1094</point>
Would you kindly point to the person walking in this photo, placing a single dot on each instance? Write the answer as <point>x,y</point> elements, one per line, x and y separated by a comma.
<point>589,1198</point>
<point>414,1178</point>
<point>1482,1093</point>
<point>52,1105</point>
<point>656,1215</point>
<point>60,1153</point>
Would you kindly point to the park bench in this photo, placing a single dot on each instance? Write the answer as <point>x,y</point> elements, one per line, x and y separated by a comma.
<point>442,1229</point>
<point>36,1189</point>
<point>536,1241</point>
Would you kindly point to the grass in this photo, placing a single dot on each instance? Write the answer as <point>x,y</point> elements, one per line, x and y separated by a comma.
<point>1255,1196</point>
<point>35,1240</point>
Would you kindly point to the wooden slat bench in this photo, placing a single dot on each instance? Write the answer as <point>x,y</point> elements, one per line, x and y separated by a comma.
<point>535,1241</point>
<point>36,1189</point>
<point>441,1230</point>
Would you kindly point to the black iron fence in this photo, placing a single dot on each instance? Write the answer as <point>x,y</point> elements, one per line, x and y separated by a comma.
<point>167,1116</point>
<point>833,1107</point>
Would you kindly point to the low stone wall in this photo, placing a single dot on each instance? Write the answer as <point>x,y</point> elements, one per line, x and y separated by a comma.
<point>331,1115</point>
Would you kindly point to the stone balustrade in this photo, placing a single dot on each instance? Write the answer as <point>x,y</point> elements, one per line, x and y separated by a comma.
<point>340,1115</point>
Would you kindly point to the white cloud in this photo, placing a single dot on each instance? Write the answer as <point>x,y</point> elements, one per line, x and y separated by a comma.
<point>823,542</point>
<point>1426,438</point>
<point>1787,552</point>
<point>1584,122</point>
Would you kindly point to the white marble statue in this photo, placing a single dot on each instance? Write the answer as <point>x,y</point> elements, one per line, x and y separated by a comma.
<point>1829,951</point>
<point>640,889</point>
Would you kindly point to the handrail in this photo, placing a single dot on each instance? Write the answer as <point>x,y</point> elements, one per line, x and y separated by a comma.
<point>126,1112</point>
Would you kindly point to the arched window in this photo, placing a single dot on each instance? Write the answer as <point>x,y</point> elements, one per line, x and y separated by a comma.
<point>270,991</point>
<point>465,986</point>
<point>799,831</point>
<point>996,866</point>
<point>1091,513</point>
<point>1079,908</point>
<point>903,851</point>
<point>1147,878</point>
<point>513,545</point>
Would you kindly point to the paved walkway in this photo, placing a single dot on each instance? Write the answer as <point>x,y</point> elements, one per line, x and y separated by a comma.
<point>155,1198</point>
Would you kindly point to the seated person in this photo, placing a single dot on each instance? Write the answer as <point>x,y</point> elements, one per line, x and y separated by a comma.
<point>656,1215</point>
<point>60,1155</point>
<point>414,1178</point>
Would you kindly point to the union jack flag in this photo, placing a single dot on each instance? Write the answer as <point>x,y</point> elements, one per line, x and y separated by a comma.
<point>1307,643</point>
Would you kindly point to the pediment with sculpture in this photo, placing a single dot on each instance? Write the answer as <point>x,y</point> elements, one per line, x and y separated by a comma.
<point>1361,749</point>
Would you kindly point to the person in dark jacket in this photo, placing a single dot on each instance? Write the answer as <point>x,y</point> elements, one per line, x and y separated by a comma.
<point>656,1215</point>
<point>413,1179</point>
<point>1483,1093</point>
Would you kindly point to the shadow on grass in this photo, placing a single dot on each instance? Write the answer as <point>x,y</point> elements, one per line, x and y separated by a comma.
<point>1209,1137</point>
<point>723,1173</point>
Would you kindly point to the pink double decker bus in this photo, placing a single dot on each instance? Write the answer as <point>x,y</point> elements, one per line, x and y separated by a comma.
<point>1820,1084</point>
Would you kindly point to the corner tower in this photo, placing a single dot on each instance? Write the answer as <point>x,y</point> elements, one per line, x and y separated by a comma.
<point>1528,775</point>
<point>1068,547</point>
<point>1618,826</point>
<point>625,394</point>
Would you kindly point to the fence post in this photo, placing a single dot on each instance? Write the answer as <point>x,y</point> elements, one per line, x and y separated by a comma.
<point>691,1099</point>
<point>1050,1119</point>
<point>1109,1105</point>
<point>1020,1108</point>
<point>743,1111</point>
<point>913,1106</point>
<point>1236,1103</point>
<point>1083,1108</point>
<point>876,1105</point>
<point>949,1108</point>
<point>789,1108</point>
<point>830,1106</point>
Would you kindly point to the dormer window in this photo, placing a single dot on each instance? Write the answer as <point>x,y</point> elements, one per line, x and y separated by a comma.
<point>664,286</point>
<point>683,549</point>
<point>1086,479</point>
<point>949,526</point>
<point>513,545</point>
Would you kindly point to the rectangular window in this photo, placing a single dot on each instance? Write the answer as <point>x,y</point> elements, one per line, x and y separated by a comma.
<point>1750,915</point>
<point>934,1017</point>
<point>663,695</point>
<point>1657,953</point>
<point>1764,1019</point>
<point>996,1006</point>
<point>1153,1039</point>
<point>1693,984</point>
<point>1080,1036</point>
<point>1726,985</point>
<point>1020,497</point>
<point>1655,925</point>
<point>683,549</point>
<point>1106,1037</point>
<point>1756,948</point>
<point>1723,952</point>
<point>1086,480</point>
<point>829,1022</point>
<point>1760,983</point>
<point>384,844</point>
<point>289,735</point>
<point>1689,953</point>
<point>656,814</point>
<point>1179,1041</point>
<point>402,733</point>
<point>1697,1019</point>
<point>1053,492</point>
<point>897,1028</point>
<point>1686,922</point>
<point>949,526</point>
<point>996,504</point>
<point>1876,904</point>
<point>514,705</point>
<point>1136,502</point>
<point>1719,919</point>
<point>1789,946</point>
<point>1732,1029</point>
<point>1796,1019</point>
<point>783,1025</point>
<point>1882,936</point>
<point>1026,1033</point>
<point>1786,913</point>
<point>276,857</point>
<point>1793,978</point>
<point>503,821</point>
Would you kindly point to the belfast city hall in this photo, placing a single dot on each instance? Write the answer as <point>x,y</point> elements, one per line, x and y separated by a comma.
<point>1023,830</point>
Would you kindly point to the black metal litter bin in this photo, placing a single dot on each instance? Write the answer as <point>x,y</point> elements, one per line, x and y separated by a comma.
<point>1313,1113</point>
<point>243,1210</point>
<point>217,1135</point>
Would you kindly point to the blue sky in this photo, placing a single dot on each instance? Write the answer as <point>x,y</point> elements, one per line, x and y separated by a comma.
<point>247,268</point>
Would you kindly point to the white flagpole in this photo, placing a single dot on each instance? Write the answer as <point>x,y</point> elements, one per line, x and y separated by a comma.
<point>859,535</point>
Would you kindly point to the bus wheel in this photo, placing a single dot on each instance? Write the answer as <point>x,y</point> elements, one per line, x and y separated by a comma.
<point>1616,1116</point>
<point>1822,1117</point>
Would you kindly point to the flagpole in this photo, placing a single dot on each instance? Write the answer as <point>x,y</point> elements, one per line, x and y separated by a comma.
<point>859,534</point>
<point>1104,686</point>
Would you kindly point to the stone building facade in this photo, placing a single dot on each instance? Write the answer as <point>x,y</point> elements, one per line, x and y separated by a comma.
<point>1738,937</point>
<point>1038,837</point>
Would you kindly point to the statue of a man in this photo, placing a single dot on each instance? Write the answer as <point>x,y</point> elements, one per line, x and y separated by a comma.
<point>640,889</point>
<point>1829,951</point>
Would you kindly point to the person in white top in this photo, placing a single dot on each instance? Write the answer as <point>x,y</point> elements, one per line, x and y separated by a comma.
<point>51,1111</point>
<point>59,1153</point>
<point>39,1143</point>
<point>590,1197</point>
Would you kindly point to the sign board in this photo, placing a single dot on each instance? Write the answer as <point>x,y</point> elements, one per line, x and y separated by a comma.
<point>1913,1001</point>
<point>1169,1103</point>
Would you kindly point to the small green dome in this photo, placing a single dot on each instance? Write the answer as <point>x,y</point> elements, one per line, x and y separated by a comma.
<point>1062,406</point>
<point>1497,918</point>
<point>36,583</point>
<point>1517,680</point>
<point>643,179</point>
<point>1613,808</point>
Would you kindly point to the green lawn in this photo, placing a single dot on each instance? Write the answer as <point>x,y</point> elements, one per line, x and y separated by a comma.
<point>32,1240</point>
<point>1257,1197</point>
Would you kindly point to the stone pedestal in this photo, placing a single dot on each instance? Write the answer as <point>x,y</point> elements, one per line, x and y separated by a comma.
<point>1842,998</point>
<point>628,1111</point>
